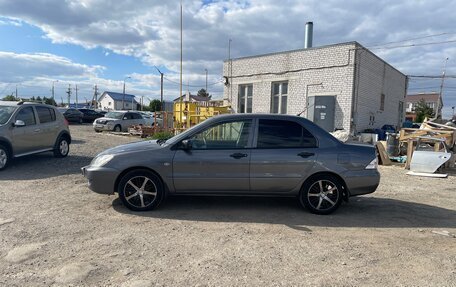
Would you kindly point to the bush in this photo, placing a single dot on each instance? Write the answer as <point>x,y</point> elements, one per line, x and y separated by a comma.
<point>162,135</point>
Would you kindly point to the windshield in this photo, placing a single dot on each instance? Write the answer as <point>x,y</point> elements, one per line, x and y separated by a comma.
<point>114,115</point>
<point>5,113</point>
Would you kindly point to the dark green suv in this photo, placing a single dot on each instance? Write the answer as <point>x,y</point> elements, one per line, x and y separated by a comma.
<point>29,128</point>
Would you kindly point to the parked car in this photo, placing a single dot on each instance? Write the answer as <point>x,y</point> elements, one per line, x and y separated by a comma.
<point>238,154</point>
<point>72,115</point>
<point>89,115</point>
<point>118,121</point>
<point>29,128</point>
<point>152,119</point>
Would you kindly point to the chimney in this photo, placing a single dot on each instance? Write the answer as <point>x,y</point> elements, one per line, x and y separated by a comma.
<point>309,35</point>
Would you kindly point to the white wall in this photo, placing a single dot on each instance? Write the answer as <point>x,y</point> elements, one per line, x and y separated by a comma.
<point>332,66</point>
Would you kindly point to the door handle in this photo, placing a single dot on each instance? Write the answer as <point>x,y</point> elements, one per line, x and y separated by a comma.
<point>37,130</point>
<point>306,154</point>
<point>238,155</point>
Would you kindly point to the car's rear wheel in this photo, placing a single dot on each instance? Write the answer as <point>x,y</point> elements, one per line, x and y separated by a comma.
<point>140,190</point>
<point>118,128</point>
<point>62,147</point>
<point>321,194</point>
<point>4,157</point>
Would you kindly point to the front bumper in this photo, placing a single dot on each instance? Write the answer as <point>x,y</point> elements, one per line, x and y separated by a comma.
<point>103,127</point>
<point>100,179</point>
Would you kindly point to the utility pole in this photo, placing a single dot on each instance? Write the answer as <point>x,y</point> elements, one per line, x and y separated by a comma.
<point>69,94</point>
<point>180,82</point>
<point>206,83</point>
<point>441,86</point>
<point>161,88</point>
<point>230,71</point>
<point>53,101</point>
<point>77,104</point>
<point>95,97</point>
<point>123,98</point>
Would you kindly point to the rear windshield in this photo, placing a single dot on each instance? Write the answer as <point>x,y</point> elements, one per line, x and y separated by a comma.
<point>5,113</point>
<point>114,115</point>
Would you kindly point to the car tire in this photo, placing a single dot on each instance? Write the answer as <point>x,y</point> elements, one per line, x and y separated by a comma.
<point>62,147</point>
<point>140,190</point>
<point>118,128</point>
<point>4,157</point>
<point>321,194</point>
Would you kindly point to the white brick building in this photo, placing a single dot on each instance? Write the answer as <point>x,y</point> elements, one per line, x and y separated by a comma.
<point>342,86</point>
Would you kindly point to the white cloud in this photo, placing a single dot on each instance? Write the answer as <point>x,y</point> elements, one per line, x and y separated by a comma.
<point>150,30</point>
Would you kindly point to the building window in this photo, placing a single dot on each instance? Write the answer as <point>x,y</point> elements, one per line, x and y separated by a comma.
<point>245,98</point>
<point>279,98</point>
<point>109,103</point>
<point>382,102</point>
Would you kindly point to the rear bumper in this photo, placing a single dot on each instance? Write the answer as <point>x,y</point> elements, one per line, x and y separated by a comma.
<point>100,179</point>
<point>362,181</point>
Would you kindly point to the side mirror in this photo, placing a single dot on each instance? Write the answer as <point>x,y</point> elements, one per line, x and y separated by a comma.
<point>186,145</point>
<point>124,118</point>
<point>19,123</point>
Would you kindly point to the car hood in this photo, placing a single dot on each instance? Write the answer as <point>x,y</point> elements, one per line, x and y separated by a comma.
<point>133,147</point>
<point>108,119</point>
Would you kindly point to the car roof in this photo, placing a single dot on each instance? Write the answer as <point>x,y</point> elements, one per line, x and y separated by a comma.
<point>15,103</point>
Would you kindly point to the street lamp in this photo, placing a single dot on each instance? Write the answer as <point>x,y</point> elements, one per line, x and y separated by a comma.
<point>161,88</point>
<point>123,98</point>
<point>53,82</point>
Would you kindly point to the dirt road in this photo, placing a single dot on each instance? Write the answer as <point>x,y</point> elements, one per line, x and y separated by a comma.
<point>55,232</point>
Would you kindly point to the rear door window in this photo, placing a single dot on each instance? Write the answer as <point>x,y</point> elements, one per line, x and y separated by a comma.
<point>283,134</point>
<point>45,115</point>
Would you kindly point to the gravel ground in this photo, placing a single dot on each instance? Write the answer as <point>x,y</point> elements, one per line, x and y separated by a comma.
<point>55,232</point>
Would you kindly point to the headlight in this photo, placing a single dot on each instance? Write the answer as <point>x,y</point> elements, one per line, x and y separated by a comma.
<point>101,160</point>
<point>372,165</point>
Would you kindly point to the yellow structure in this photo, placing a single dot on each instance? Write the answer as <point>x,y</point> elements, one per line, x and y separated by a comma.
<point>188,114</point>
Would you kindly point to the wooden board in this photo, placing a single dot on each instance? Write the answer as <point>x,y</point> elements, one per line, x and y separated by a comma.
<point>384,158</point>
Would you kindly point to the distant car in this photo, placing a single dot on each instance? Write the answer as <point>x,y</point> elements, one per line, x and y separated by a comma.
<point>72,115</point>
<point>239,154</point>
<point>29,128</point>
<point>118,121</point>
<point>90,115</point>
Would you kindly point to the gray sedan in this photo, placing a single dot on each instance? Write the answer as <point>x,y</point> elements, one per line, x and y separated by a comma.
<point>241,154</point>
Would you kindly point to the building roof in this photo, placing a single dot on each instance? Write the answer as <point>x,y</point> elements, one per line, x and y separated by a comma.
<point>119,96</point>
<point>427,97</point>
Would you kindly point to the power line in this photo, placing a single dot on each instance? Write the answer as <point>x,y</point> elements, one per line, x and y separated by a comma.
<point>411,39</point>
<point>193,86</point>
<point>414,45</point>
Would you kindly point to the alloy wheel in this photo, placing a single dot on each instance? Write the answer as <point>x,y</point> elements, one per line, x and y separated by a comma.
<point>323,195</point>
<point>140,191</point>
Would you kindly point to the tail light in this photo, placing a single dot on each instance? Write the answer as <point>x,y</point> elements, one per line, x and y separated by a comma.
<point>373,164</point>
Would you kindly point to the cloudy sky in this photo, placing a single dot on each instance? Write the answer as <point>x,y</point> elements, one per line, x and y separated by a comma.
<point>88,42</point>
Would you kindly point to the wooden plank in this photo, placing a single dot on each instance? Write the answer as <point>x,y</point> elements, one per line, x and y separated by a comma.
<point>383,154</point>
<point>409,153</point>
<point>438,175</point>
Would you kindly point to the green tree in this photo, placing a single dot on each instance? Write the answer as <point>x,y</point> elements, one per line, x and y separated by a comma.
<point>203,93</point>
<point>422,111</point>
<point>10,98</point>
<point>38,99</point>
<point>155,106</point>
<point>49,101</point>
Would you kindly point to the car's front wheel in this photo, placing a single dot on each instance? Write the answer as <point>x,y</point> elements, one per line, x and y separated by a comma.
<point>62,147</point>
<point>118,128</point>
<point>321,194</point>
<point>4,157</point>
<point>140,190</point>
